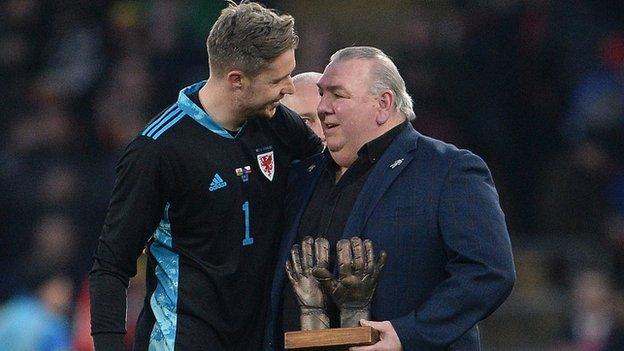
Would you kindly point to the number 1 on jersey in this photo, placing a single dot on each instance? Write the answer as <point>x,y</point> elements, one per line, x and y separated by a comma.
<point>248,239</point>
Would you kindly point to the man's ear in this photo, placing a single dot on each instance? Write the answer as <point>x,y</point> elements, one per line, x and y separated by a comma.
<point>385,105</point>
<point>236,78</point>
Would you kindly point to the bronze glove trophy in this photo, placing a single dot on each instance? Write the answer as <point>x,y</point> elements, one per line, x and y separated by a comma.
<point>358,272</point>
<point>352,292</point>
<point>312,301</point>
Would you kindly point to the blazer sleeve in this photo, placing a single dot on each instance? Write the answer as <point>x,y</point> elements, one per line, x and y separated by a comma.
<point>479,264</point>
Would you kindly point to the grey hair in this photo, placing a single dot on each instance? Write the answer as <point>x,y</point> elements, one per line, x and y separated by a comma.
<point>384,73</point>
<point>307,77</point>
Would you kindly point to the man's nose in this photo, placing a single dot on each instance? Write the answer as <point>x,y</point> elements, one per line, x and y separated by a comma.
<point>289,88</point>
<point>323,108</point>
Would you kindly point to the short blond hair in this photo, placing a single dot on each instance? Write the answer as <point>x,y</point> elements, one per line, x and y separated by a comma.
<point>247,37</point>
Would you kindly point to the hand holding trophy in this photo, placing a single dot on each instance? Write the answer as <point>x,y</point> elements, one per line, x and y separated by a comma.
<point>352,292</point>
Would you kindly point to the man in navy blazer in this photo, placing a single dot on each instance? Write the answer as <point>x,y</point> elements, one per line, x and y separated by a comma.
<point>432,207</point>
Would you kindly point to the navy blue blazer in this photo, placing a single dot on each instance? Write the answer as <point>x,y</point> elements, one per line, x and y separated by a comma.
<point>434,209</point>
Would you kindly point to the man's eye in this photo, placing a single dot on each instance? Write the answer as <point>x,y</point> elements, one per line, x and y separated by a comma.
<point>306,120</point>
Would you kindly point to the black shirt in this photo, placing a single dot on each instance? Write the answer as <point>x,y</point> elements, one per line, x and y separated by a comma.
<point>209,206</point>
<point>328,211</point>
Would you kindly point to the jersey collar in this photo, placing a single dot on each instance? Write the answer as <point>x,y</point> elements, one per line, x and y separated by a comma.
<point>198,114</point>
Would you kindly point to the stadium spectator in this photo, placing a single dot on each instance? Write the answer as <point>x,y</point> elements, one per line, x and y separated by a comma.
<point>37,319</point>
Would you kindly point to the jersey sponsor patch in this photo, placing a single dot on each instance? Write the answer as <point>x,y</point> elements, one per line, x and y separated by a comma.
<point>267,164</point>
<point>217,183</point>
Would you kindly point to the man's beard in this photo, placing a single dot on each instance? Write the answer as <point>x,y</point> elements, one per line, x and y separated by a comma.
<point>265,111</point>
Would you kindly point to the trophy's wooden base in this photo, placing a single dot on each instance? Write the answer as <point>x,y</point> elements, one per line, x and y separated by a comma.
<point>330,339</point>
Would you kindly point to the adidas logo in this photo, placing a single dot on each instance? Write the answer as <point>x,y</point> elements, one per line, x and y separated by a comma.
<point>217,183</point>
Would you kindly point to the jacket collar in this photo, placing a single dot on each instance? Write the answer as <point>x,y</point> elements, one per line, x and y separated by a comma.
<point>390,165</point>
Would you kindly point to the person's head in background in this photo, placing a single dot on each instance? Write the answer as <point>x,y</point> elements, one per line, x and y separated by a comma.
<point>53,288</point>
<point>305,100</point>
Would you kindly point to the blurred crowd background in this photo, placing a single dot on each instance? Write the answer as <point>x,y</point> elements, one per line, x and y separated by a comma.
<point>536,87</point>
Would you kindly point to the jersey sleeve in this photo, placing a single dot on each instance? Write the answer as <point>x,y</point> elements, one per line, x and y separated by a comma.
<point>135,209</point>
<point>296,134</point>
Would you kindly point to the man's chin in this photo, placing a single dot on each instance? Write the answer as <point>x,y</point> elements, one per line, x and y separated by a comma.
<point>269,112</point>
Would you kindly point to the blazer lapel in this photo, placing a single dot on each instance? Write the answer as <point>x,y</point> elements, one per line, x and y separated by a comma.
<point>389,166</point>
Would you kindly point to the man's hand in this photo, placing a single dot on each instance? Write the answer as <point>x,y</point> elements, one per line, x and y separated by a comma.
<point>388,338</point>
<point>358,275</point>
<point>311,298</point>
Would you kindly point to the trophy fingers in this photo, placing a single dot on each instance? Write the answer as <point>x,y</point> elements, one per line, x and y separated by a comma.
<point>321,251</point>
<point>369,260</point>
<point>296,259</point>
<point>381,263</point>
<point>289,272</point>
<point>358,255</point>
<point>306,255</point>
<point>343,248</point>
